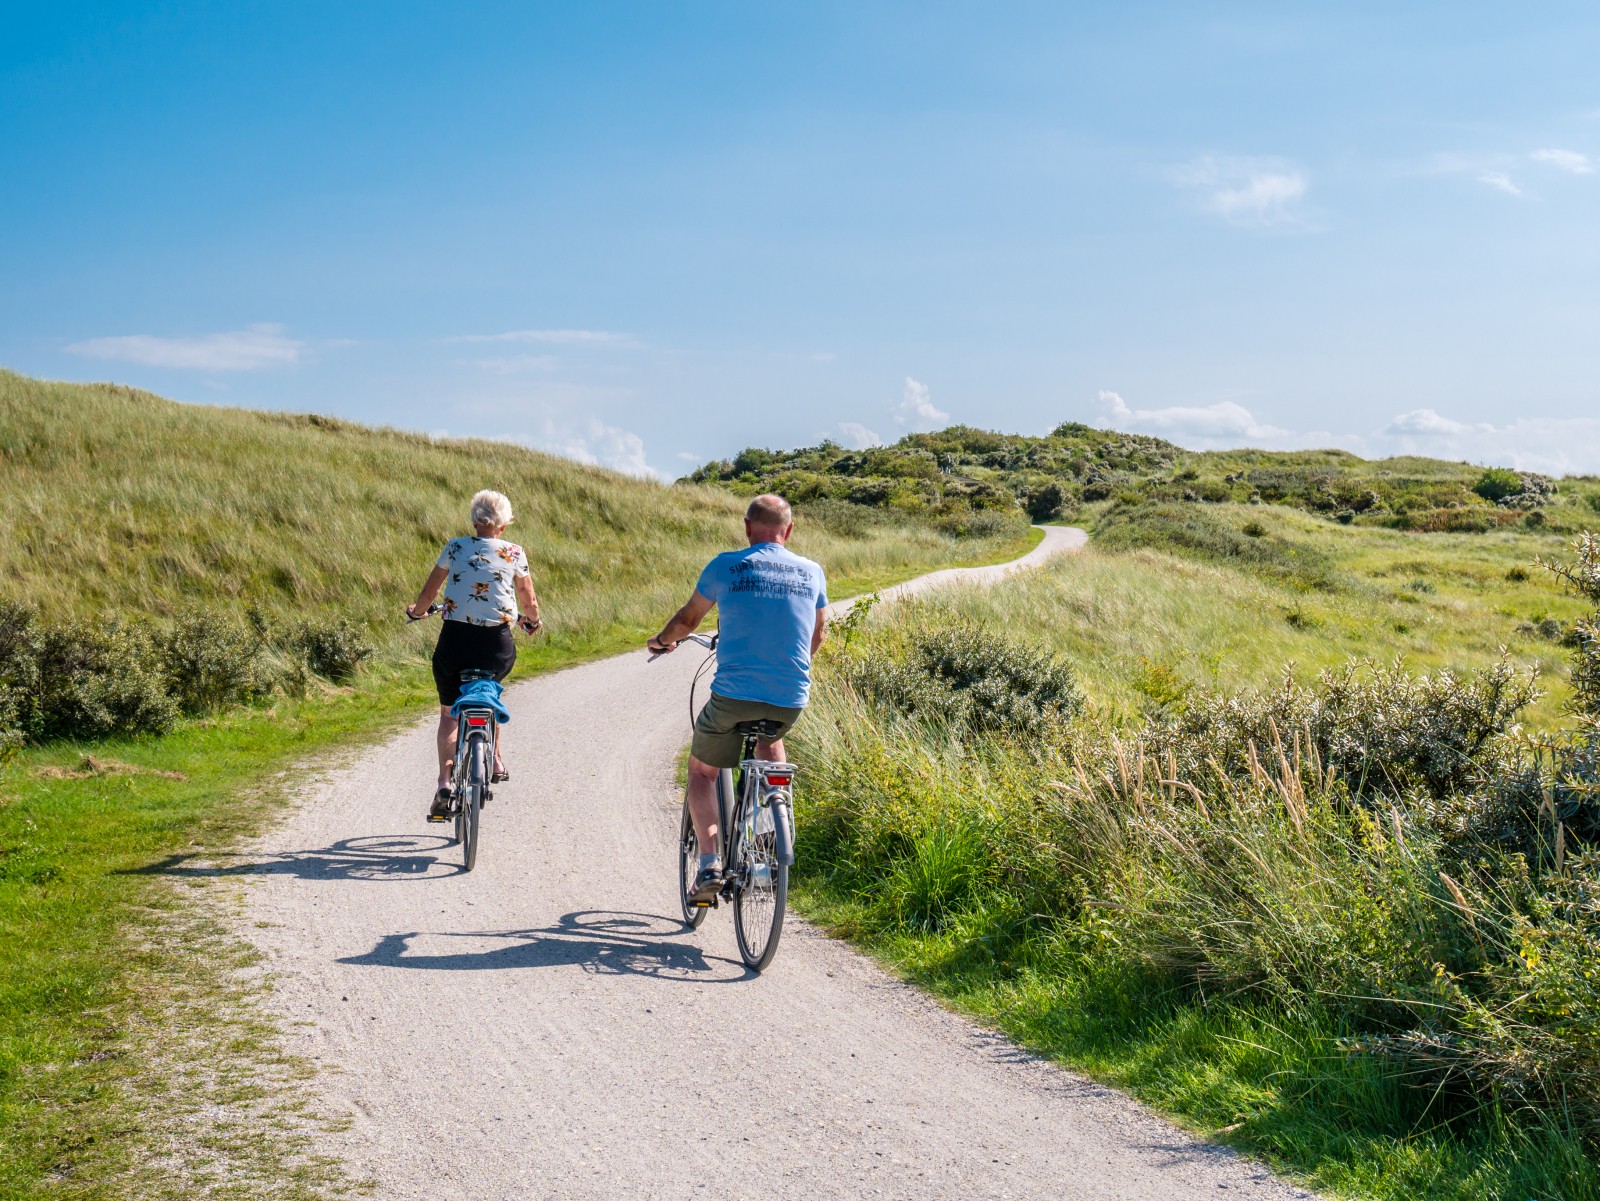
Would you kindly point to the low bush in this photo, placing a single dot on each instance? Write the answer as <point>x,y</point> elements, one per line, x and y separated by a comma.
<point>211,660</point>
<point>965,680</point>
<point>333,649</point>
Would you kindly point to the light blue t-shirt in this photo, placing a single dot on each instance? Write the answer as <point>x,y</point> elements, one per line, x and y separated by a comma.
<point>768,597</point>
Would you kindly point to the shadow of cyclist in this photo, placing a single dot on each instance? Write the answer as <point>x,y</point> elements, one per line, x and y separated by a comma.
<point>596,941</point>
<point>374,857</point>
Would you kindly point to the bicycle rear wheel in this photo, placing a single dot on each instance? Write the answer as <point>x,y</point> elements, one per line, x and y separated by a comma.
<point>477,782</point>
<point>760,897</point>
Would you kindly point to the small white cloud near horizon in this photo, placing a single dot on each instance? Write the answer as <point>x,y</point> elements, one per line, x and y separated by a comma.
<point>1246,191</point>
<point>1527,444</point>
<point>1571,161</point>
<point>858,436</point>
<point>598,444</point>
<point>559,337</point>
<point>1502,182</point>
<point>250,349</point>
<point>823,356</point>
<point>1215,423</point>
<point>916,410</point>
<point>512,364</point>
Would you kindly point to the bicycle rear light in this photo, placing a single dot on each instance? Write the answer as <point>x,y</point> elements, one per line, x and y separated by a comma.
<point>774,778</point>
<point>477,721</point>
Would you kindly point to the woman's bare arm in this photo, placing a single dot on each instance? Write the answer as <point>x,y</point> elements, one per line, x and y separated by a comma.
<point>430,590</point>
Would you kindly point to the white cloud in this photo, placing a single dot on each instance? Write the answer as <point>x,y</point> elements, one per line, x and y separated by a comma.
<point>1555,445</point>
<point>559,337</point>
<point>858,436</point>
<point>1207,425</point>
<point>593,441</point>
<point>823,356</point>
<point>1502,182</point>
<point>1566,160</point>
<point>249,349</point>
<point>1247,191</point>
<point>1426,423</point>
<point>916,409</point>
<point>512,364</point>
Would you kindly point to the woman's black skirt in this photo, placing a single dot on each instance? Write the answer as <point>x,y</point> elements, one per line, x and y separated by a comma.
<point>466,647</point>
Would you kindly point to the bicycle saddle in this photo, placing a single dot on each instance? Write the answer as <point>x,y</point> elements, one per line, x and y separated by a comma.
<point>765,729</point>
<point>475,673</point>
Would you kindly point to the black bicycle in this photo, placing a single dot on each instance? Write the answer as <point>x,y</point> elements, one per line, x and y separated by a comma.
<point>755,824</point>
<point>477,740</point>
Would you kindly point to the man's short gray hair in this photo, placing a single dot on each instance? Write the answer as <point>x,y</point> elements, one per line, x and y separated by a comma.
<point>490,508</point>
<point>770,512</point>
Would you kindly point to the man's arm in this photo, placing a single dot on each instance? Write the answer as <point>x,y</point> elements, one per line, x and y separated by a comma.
<point>819,631</point>
<point>684,622</point>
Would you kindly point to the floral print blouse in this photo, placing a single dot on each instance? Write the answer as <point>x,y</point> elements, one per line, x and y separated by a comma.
<point>479,588</point>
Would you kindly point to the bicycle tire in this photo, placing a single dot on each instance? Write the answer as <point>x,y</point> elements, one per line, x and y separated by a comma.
<point>688,868</point>
<point>761,895</point>
<point>472,802</point>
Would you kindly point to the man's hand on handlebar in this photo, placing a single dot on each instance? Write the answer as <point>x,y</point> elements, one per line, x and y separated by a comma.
<point>656,647</point>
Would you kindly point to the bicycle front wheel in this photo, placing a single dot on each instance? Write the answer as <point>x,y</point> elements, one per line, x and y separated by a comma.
<point>761,895</point>
<point>472,800</point>
<point>688,868</point>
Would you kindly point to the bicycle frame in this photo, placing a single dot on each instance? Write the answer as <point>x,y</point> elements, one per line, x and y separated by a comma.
<point>761,787</point>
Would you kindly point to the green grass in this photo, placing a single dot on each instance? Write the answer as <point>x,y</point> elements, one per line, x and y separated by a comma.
<point>135,1060</point>
<point>1127,619</point>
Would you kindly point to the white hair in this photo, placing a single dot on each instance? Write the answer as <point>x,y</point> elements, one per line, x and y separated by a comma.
<point>490,508</point>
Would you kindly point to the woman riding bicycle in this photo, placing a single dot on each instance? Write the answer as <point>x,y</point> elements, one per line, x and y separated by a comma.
<point>485,580</point>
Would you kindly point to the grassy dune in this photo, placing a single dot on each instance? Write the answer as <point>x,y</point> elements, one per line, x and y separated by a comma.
<point>1139,623</point>
<point>118,500</point>
<point>133,1063</point>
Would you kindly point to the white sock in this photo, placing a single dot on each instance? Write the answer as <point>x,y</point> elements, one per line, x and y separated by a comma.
<point>708,861</point>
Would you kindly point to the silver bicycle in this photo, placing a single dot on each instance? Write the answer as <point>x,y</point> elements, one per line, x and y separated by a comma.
<point>755,831</point>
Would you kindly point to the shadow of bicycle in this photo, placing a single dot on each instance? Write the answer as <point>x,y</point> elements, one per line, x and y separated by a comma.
<point>374,857</point>
<point>637,944</point>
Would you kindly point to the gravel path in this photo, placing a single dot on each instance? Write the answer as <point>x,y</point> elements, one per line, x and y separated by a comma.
<point>543,1027</point>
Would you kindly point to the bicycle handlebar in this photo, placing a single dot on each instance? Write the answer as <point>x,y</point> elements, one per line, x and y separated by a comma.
<point>432,609</point>
<point>709,641</point>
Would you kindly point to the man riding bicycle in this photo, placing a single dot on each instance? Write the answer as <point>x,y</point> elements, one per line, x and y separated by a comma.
<point>773,614</point>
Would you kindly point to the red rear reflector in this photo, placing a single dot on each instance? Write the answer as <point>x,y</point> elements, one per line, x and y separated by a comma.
<point>771,779</point>
<point>477,721</point>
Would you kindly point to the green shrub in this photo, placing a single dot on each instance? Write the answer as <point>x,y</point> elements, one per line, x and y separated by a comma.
<point>333,649</point>
<point>101,681</point>
<point>1497,483</point>
<point>966,679</point>
<point>20,651</point>
<point>211,661</point>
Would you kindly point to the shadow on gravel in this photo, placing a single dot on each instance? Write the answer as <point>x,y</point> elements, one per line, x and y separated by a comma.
<point>637,944</point>
<point>375,857</point>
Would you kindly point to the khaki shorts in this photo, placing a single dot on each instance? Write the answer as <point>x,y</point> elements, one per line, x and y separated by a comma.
<point>718,743</point>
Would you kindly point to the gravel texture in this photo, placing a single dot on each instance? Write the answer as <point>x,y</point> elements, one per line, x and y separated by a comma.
<point>544,1027</point>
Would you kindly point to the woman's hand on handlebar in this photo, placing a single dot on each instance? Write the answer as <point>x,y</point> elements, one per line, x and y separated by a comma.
<point>529,625</point>
<point>413,615</point>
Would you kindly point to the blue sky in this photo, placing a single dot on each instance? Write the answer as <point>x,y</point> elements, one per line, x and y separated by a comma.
<point>650,234</point>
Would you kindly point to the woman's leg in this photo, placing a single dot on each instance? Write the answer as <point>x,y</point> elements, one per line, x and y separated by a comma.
<point>447,745</point>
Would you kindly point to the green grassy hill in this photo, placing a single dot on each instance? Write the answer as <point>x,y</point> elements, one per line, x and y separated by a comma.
<point>115,500</point>
<point>961,470</point>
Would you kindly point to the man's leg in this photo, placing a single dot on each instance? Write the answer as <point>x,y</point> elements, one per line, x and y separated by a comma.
<point>703,805</point>
<point>447,744</point>
<point>771,751</point>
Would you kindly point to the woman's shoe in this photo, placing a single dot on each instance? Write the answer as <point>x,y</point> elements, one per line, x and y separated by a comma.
<point>439,811</point>
<point>499,776</point>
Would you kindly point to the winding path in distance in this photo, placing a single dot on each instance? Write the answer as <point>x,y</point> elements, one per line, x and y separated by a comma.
<point>544,1027</point>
